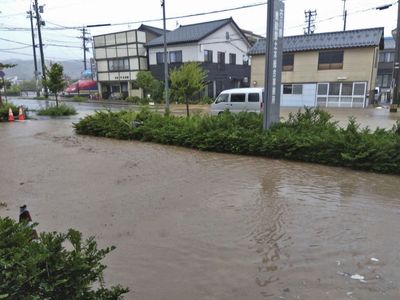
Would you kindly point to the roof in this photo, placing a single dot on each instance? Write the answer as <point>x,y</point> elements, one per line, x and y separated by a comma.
<point>390,43</point>
<point>329,40</point>
<point>192,33</point>
<point>157,31</point>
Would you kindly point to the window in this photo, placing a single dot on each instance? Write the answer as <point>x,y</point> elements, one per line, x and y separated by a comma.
<point>381,57</point>
<point>254,97</point>
<point>222,98</point>
<point>334,89</point>
<point>292,89</point>
<point>232,59</point>
<point>330,60</point>
<point>389,57</point>
<point>208,56</point>
<point>227,35</point>
<point>287,89</point>
<point>287,61</point>
<point>359,89</point>
<point>238,97</point>
<point>245,60</point>
<point>121,64</point>
<point>175,56</point>
<point>160,57</point>
<point>221,61</point>
<point>347,89</point>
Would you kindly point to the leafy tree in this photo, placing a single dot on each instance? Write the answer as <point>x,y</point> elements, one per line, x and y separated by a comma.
<point>149,84</point>
<point>187,81</point>
<point>45,269</point>
<point>4,66</point>
<point>55,79</point>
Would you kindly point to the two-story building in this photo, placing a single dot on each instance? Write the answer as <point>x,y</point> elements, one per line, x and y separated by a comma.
<point>385,70</point>
<point>119,57</point>
<point>334,69</point>
<point>219,46</point>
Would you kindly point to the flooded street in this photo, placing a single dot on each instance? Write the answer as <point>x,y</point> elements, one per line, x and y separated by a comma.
<point>196,225</point>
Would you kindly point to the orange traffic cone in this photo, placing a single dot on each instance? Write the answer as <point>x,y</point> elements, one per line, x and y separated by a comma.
<point>10,115</point>
<point>21,116</point>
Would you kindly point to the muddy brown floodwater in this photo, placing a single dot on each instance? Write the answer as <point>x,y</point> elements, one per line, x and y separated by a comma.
<point>196,225</point>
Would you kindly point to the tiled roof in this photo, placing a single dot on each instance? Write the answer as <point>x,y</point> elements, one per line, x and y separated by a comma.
<point>190,33</point>
<point>155,30</point>
<point>325,41</point>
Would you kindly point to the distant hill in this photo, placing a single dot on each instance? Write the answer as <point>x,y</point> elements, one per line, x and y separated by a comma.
<point>24,69</point>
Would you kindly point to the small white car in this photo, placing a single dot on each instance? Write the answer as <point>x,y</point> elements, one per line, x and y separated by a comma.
<point>238,100</point>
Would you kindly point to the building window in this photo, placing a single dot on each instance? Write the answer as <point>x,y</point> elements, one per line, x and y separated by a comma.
<point>292,89</point>
<point>386,57</point>
<point>175,56</point>
<point>221,61</point>
<point>160,57</point>
<point>238,97</point>
<point>121,64</point>
<point>287,61</point>
<point>328,60</point>
<point>232,59</point>
<point>245,60</point>
<point>208,56</point>
<point>384,80</point>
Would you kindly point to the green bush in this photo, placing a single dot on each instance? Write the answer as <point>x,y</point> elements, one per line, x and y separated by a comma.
<point>309,136</point>
<point>77,98</point>
<point>4,111</point>
<point>133,99</point>
<point>54,111</point>
<point>55,266</point>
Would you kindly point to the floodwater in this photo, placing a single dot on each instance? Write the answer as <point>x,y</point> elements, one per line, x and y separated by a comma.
<point>198,225</point>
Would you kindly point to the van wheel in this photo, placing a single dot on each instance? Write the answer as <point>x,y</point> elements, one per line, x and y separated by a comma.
<point>220,113</point>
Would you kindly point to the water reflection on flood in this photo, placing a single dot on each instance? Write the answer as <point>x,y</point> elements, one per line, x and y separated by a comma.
<point>313,227</point>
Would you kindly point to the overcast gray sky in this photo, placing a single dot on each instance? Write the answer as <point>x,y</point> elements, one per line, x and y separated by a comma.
<point>84,12</point>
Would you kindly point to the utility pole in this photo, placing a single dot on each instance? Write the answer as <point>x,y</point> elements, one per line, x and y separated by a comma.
<point>310,21</point>
<point>396,71</point>
<point>165,60</point>
<point>85,47</point>
<point>344,15</point>
<point>34,54</point>
<point>39,23</point>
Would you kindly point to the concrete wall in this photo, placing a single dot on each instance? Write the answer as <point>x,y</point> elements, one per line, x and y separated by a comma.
<point>358,65</point>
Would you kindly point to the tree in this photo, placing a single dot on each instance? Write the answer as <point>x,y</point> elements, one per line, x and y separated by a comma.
<point>4,66</point>
<point>149,84</point>
<point>187,81</point>
<point>55,79</point>
<point>55,266</point>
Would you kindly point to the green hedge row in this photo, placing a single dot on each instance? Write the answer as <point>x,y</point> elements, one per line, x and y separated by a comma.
<point>309,136</point>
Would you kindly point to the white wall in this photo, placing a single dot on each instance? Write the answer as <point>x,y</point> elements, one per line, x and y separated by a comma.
<point>216,42</point>
<point>307,98</point>
<point>189,52</point>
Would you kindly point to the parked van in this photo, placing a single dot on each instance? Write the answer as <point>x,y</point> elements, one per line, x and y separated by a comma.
<point>237,100</point>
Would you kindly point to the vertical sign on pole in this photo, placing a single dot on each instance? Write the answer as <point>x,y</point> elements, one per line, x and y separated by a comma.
<point>273,62</point>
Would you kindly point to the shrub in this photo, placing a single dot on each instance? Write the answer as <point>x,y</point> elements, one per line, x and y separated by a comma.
<point>77,98</point>
<point>4,111</point>
<point>133,99</point>
<point>54,111</point>
<point>56,266</point>
<point>309,136</point>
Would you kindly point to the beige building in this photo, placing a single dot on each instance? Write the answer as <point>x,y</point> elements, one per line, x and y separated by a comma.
<point>119,57</point>
<point>335,69</point>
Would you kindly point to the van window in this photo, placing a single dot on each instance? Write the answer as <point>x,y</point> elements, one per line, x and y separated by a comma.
<point>238,97</point>
<point>254,97</point>
<point>222,98</point>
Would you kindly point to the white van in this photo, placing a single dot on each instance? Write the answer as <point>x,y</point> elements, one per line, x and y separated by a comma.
<point>238,100</point>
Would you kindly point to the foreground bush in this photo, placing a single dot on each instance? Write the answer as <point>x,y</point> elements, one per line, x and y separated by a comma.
<point>54,111</point>
<point>56,266</point>
<point>4,111</point>
<point>309,136</point>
